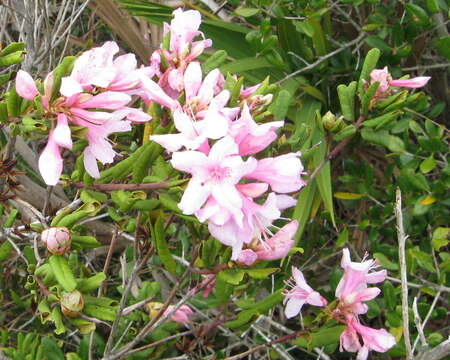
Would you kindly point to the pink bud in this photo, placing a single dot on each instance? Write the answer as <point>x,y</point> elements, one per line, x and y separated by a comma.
<point>247,257</point>
<point>57,240</point>
<point>25,85</point>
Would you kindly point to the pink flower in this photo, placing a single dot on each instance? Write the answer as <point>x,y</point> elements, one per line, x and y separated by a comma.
<point>112,81</point>
<point>251,137</point>
<point>386,81</point>
<point>283,173</point>
<point>214,175</point>
<point>383,77</point>
<point>373,339</point>
<point>57,240</point>
<point>94,67</point>
<point>202,117</point>
<point>50,162</point>
<point>25,85</point>
<point>181,315</point>
<point>254,229</point>
<point>299,294</point>
<point>278,246</point>
<point>352,288</point>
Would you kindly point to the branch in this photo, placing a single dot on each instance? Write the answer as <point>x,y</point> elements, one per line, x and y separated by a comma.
<point>321,59</point>
<point>128,187</point>
<point>439,352</point>
<point>402,259</point>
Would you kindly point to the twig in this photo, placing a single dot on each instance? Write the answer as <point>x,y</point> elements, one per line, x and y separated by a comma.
<point>419,326</point>
<point>160,317</point>
<point>128,187</point>
<point>418,286</point>
<point>426,67</point>
<point>404,285</point>
<point>124,298</point>
<point>427,317</point>
<point>162,341</point>
<point>439,352</point>
<point>321,59</point>
<point>270,343</point>
<point>104,286</point>
<point>133,307</point>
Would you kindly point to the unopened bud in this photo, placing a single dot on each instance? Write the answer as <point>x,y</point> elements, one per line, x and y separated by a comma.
<point>72,303</point>
<point>57,240</point>
<point>153,308</point>
<point>328,120</point>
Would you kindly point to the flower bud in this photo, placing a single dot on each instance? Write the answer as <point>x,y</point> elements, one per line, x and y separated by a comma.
<point>72,303</point>
<point>153,308</point>
<point>57,240</point>
<point>328,120</point>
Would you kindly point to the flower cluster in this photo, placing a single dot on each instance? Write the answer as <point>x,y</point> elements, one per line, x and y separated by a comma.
<point>215,143</point>
<point>96,96</point>
<point>351,292</point>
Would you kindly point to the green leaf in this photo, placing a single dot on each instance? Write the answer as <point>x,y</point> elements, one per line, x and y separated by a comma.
<point>247,12</point>
<point>417,13</point>
<point>5,250</point>
<point>214,61</point>
<point>440,237</point>
<point>223,290</point>
<point>442,46</point>
<point>102,308</point>
<point>385,262</point>
<point>262,306</point>
<point>12,48</point>
<point>347,100</point>
<point>343,238</point>
<point>241,65</point>
<point>232,276</point>
<point>416,180</point>
<point>344,133</point>
<point>348,196</point>
<point>51,349</point>
<point>13,102</point>
<point>62,272</point>
<point>321,337</point>
<point>382,120</point>
<point>261,273</point>
<point>85,242</point>
<point>323,178</point>
<point>68,220</point>
<point>383,138</point>
<point>91,283</point>
<point>433,6</point>
<point>57,319</point>
<point>63,69</point>
<point>428,164</point>
<point>390,298</point>
<point>370,62</point>
<point>280,106</point>
<point>159,237</point>
<point>424,260</point>
<point>11,59</point>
